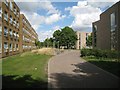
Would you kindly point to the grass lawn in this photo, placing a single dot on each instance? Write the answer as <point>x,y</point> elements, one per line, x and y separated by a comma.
<point>25,71</point>
<point>110,65</point>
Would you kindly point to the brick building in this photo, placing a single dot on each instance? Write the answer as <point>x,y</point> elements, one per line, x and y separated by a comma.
<point>106,31</point>
<point>11,31</point>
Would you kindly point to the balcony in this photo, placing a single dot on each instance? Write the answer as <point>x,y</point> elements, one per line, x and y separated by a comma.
<point>6,17</point>
<point>14,11</point>
<point>6,3</point>
<point>14,49</point>
<point>0,13</point>
<point>11,21</point>
<point>10,50</point>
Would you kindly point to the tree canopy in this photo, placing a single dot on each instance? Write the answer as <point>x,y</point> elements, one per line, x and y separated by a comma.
<point>65,37</point>
<point>89,40</point>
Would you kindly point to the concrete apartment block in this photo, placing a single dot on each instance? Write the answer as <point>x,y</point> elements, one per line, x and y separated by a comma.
<point>81,39</point>
<point>106,31</point>
<point>11,31</point>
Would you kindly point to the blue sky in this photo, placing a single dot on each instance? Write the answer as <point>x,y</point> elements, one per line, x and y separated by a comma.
<point>46,17</point>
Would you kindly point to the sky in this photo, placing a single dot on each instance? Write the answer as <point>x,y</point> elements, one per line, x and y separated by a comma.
<point>48,16</point>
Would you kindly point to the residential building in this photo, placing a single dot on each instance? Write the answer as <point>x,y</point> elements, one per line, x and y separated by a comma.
<point>106,31</point>
<point>10,30</point>
<point>81,39</point>
<point>27,35</point>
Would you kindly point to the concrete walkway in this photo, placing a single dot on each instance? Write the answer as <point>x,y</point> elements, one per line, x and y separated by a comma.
<point>68,70</point>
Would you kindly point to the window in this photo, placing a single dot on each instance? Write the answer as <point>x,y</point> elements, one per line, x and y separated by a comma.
<point>15,10</point>
<point>17,24</point>
<point>6,16</point>
<point>0,30</point>
<point>17,46</point>
<point>0,12</point>
<point>17,35</point>
<point>113,26</point>
<point>10,47</point>
<point>14,22</point>
<point>95,34</point>
<point>17,13</point>
<point>11,5</point>
<point>14,47</point>
<point>6,2</point>
<point>10,32</point>
<point>14,33</point>
<point>10,19</point>
<point>5,46</point>
<point>5,31</point>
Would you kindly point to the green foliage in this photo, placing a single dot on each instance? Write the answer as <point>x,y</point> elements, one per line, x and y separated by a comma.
<point>48,42</point>
<point>66,37</point>
<point>99,53</point>
<point>37,43</point>
<point>89,40</point>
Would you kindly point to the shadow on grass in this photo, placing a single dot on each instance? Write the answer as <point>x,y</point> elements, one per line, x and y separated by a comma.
<point>22,82</point>
<point>110,66</point>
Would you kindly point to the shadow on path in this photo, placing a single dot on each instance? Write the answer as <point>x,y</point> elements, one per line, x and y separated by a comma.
<point>110,66</point>
<point>84,77</point>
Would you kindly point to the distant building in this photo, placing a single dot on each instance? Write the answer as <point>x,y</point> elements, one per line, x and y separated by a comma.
<point>81,39</point>
<point>12,31</point>
<point>106,31</point>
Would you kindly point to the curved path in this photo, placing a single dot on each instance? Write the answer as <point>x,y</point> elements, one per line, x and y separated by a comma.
<point>68,70</point>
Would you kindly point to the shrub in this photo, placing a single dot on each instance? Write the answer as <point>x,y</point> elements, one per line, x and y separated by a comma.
<point>86,52</point>
<point>100,53</point>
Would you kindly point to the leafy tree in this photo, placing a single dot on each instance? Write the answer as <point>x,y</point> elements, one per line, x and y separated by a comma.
<point>57,38</point>
<point>89,40</point>
<point>65,37</point>
<point>48,42</point>
<point>37,43</point>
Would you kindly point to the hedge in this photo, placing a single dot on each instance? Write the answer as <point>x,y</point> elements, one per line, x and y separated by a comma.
<point>100,53</point>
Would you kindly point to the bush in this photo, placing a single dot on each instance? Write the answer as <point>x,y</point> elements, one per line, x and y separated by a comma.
<point>99,53</point>
<point>85,52</point>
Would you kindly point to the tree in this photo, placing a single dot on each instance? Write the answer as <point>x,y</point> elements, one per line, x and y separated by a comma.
<point>89,40</point>
<point>37,43</point>
<point>57,38</point>
<point>66,37</point>
<point>48,42</point>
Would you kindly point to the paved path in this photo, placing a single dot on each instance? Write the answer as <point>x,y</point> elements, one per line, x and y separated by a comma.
<point>68,70</point>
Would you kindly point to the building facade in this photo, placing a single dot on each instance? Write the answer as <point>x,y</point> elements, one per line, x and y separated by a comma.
<point>106,31</point>
<point>27,35</point>
<point>81,39</point>
<point>10,29</point>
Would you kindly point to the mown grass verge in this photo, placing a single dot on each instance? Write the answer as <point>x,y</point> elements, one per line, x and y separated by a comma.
<point>25,70</point>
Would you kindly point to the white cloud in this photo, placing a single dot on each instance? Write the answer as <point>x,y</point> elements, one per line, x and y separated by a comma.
<point>29,9</point>
<point>84,15</point>
<point>56,28</point>
<point>47,34</point>
<point>34,6</point>
<point>53,18</point>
